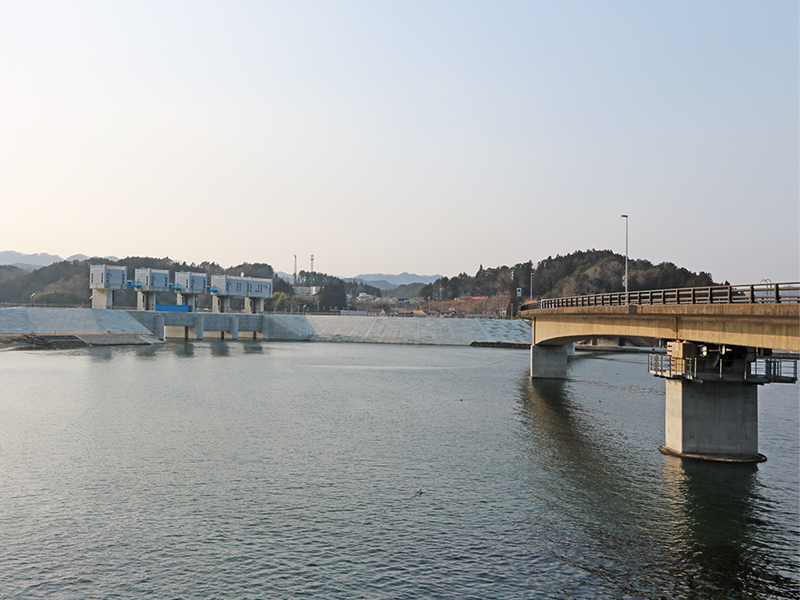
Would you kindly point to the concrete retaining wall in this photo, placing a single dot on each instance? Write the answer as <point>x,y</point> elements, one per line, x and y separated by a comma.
<point>206,325</point>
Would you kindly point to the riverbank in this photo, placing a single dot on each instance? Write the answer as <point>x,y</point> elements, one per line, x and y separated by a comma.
<point>38,327</point>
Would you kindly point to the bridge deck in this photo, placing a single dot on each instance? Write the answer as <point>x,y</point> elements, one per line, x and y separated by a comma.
<point>761,324</point>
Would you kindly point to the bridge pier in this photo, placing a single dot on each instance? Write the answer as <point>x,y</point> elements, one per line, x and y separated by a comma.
<point>712,420</point>
<point>548,362</point>
<point>711,401</point>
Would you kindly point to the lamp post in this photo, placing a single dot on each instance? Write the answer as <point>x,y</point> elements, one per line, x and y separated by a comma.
<point>531,286</point>
<point>626,257</point>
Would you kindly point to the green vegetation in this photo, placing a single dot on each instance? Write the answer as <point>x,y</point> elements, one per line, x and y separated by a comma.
<point>408,290</point>
<point>352,288</point>
<point>578,273</point>
<point>9,272</point>
<point>333,295</point>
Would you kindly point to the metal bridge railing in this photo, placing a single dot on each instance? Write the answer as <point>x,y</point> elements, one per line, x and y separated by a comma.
<point>762,370</point>
<point>778,370</point>
<point>759,293</point>
<point>672,368</point>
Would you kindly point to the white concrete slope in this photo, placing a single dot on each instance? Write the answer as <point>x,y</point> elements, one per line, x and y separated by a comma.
<point>73,321</point>
<point>397,330</point>
<point>287,327</point>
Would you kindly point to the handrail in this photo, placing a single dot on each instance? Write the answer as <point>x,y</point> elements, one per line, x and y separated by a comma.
<point>758,293</point>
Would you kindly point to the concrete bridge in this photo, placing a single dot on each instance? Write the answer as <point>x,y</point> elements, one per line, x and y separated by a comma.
<point>721,344</point>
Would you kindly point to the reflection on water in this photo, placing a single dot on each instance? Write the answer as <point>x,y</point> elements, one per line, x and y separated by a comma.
<point>101,353</point>
<point>233,470</point>
<point>182,349</point>
<point>604,475</point>
<point>695,529</point>
<point>718,514</point>
<point>147,351</point>
<point>220,349</point>
<point>252,348</point>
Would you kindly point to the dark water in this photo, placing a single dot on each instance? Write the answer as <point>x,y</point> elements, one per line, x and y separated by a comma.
<point>291,471</point>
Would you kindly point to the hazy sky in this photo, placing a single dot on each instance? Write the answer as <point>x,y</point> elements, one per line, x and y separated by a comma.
<point>426,136</point>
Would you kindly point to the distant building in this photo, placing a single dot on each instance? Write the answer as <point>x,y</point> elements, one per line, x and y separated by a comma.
<point>302,290</point>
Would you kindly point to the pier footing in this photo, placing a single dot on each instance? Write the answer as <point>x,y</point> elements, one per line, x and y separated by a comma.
<point>758,458</point>
<point>712,420</point>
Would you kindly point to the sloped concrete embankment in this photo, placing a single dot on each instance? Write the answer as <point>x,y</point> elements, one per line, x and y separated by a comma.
<point>442,332</point>
<point>43,327</point>
<point>63,326</point>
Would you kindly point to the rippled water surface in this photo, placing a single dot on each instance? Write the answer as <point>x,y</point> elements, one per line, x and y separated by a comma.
<point>246,470</point>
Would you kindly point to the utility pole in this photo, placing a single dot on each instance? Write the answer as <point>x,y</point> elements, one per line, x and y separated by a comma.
<point>295,270</point>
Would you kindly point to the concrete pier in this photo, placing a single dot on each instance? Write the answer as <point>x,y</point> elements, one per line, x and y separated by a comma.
<point>711,401</point>
<point>712,420</point>
<point>220,304</point>
<point>548,362</point>
<point>253,306</point>
<point>159,327</point>
<point>145,300</point>
<point>189,300</point>
<point>102,299</point>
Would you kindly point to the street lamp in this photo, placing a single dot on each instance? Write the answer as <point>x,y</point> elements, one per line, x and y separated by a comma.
<point>531,286</point>
<point>626,257</point>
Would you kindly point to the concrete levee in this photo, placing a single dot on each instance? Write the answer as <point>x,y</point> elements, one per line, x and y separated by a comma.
<point>398,330</point>
<point>70,321</point>
<point>230,326</point>
<point>286,328</point>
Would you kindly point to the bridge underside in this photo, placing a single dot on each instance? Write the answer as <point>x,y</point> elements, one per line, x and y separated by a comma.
<point>707,415</point>
<point>775,326</point>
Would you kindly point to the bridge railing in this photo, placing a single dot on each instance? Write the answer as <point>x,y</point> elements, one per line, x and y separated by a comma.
<point>762,370</point>
<point>758,293</point>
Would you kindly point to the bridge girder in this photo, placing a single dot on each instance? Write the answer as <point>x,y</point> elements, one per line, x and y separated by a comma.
<point>774,326</point>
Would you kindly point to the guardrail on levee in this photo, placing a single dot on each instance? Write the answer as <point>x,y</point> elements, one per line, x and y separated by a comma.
<point>758,293</point>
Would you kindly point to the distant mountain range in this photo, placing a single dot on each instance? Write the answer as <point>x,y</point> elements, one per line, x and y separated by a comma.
<point>38,260</point>
<point>385,281</point>
<point>382,281</point>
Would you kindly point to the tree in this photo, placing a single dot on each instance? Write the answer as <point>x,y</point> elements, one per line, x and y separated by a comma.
<point>426,293</point>
<point>333,296</point>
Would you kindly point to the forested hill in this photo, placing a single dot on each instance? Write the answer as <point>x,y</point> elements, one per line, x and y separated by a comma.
<point>578,273</point>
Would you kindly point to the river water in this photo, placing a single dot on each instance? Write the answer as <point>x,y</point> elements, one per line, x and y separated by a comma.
<point>293,470</point>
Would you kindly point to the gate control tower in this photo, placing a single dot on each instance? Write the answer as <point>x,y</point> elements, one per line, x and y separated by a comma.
<point>150,282</point>
<point>252,289</point>
<point>103,281</point>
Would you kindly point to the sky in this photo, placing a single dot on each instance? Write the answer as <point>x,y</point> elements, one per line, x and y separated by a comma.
<point>422,136</point>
